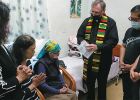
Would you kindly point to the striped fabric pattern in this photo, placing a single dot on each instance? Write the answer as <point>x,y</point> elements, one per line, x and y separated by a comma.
<point>99,40</point>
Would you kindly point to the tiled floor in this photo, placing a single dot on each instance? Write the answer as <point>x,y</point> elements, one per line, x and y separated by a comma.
<point>113,92</point>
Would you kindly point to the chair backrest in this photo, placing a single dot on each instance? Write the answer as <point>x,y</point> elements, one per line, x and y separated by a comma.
<point>68,79</point>
<point>116,50</point>
<point>40,95</point>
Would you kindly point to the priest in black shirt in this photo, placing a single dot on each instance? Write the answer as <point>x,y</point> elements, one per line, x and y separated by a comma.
<point>100,32</point>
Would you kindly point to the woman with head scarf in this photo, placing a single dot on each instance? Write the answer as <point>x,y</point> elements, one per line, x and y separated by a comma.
<point>54,86</point>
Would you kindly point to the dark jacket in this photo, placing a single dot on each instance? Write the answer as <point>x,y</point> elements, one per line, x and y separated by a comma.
<point>110,40</point>
<point>131,42</point>
<point>10,89</point>
<point>54,80</point>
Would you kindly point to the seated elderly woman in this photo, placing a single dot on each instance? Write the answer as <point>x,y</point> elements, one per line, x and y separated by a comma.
<point>54,87</point>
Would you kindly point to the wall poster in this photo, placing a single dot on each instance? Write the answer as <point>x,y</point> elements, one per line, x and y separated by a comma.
<point>75,9</point>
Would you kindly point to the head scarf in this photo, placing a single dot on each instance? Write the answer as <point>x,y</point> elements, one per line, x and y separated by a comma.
<point>50,47</point>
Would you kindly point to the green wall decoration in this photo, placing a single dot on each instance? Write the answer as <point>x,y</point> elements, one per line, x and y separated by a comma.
<point>75,9</point>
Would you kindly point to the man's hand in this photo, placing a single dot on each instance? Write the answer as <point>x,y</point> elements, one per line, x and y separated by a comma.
<point>132,74</point>
<point>91,47</point>
<point>125,67</point>
<point>135,76</point>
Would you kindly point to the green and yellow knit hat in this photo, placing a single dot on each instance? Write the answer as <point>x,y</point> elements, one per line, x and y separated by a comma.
<point>50,47</point>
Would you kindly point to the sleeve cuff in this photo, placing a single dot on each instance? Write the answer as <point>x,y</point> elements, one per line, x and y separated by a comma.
<point>27,91</point>
<point>13,81</point>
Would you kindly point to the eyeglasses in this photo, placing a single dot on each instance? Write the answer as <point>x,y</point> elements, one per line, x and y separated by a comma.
<point>134,19</point>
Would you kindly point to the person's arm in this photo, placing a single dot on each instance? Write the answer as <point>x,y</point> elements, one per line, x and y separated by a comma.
<point>122,53</point>
<point>44,85</point>
<point>134,75</point>
<point>13,83</point>
<point>124,66</point>
<point>8,85</point>
<point>81,31</point>
<point>111,38</point>
<point>123,49</point>
<point>36,80</point>
<point>135,63</point>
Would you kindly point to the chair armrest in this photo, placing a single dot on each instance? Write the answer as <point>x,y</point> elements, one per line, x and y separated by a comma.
<point>68,79</point>
<point>40,95</point>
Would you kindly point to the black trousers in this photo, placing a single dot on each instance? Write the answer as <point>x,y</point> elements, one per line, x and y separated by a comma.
<point>130,89</point>
<point>101,77</point>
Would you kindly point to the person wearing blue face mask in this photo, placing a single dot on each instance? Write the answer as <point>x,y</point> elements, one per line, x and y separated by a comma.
<point>130,51</point>
<point>135,21</point>
<point>135,25</point>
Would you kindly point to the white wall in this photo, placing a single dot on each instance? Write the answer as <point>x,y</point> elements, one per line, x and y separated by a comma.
<point>60,24</point>
<point>119,10</point>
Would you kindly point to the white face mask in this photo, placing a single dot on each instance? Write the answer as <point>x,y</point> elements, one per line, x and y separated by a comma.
<point>135,25</point>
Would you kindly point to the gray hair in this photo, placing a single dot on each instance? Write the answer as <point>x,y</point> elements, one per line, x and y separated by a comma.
<point>101,2</point>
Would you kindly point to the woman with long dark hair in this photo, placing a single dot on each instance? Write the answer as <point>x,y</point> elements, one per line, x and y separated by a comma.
<point>11,75</point>
<point>23,50</point>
